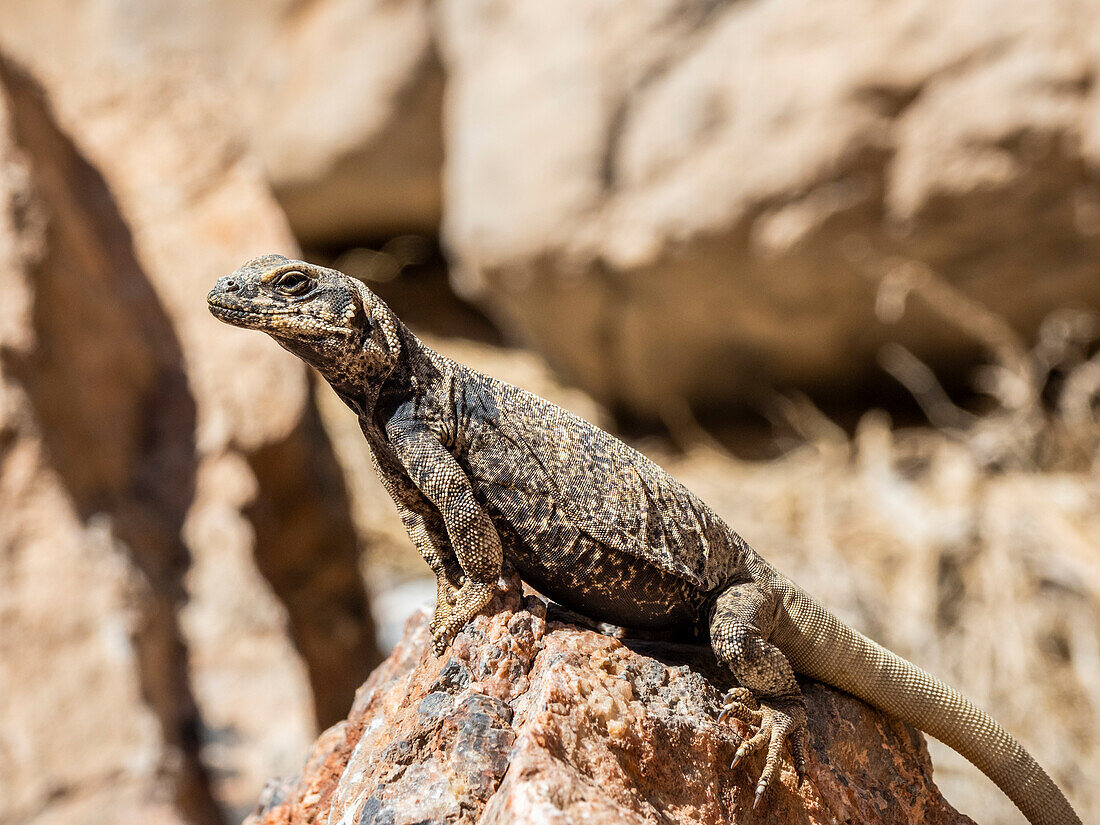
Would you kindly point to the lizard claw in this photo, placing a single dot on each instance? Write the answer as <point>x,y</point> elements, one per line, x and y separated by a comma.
<point>737,757</point>
<point>439,620</point>
<point>752,745</point>
<point>440,641</point>
<point>739,703</point>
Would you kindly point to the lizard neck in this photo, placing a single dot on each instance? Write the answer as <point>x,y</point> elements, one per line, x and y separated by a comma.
<point>411,384</point>
<point>351,388</point>
<point>359,382</point>
<point>357,385</point>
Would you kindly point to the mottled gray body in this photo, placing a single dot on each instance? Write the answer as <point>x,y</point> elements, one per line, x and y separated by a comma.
<point>633,546</point>
<point>481,471</point>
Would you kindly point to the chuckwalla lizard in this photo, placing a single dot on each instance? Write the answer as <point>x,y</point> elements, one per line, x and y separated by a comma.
<point>481,471</point>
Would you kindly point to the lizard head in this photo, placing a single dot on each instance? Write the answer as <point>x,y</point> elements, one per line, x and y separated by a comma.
<point>329,320</point>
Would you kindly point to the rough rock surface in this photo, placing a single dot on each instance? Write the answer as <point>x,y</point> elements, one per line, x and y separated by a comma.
<point>530,719</point>
<point>81,724</point>
<point>339,99</point>
<point>141,486</point>
<point>710,192</point>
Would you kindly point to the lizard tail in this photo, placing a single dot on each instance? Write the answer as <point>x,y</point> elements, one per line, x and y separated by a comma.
<point>824,648</point>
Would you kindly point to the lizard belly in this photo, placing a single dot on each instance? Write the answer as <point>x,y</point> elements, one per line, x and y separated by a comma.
<point>601,582</point>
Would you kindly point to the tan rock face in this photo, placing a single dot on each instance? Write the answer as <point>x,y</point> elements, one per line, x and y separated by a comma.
<point>93,705</point>
<point>709,193</point>
<point>339,99</point>
<point>345,100</point>
<point>526,719</point>
<point>159,606</point>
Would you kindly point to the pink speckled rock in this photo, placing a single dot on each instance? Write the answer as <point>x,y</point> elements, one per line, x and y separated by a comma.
<point>527,720</point>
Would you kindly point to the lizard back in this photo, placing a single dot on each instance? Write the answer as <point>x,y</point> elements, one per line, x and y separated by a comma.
<point>552,480</point>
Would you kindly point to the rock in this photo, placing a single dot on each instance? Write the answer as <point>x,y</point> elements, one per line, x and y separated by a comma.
<point>698,200</point>
<point>529,719</point>
<point>142,485</point>
<point>353,143</point>
<point>81,739</point>
<point>339,99</point>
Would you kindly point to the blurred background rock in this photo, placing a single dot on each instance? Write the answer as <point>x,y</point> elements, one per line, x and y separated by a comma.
<point>835,266</point>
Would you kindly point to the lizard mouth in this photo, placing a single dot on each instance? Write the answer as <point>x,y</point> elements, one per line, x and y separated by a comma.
<point>237,315</point>
<point>267,320</point>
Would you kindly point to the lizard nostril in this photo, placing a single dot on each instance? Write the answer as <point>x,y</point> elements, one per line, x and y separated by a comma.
<point>231,286</point>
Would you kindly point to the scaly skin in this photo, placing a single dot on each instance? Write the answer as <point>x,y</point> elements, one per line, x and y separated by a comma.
<point>481,471</point>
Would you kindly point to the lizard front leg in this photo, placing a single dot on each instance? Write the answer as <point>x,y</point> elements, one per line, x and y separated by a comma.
<point>472,535</point>
<point>427,533</point>
<point>434,547</point>
<point>739,630</point>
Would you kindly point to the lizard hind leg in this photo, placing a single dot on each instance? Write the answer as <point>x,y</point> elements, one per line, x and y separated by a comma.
<point>769,698</point>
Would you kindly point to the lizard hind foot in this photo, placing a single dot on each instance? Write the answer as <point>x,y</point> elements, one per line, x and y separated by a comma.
<point>740,626</point>
<point>777,722</point>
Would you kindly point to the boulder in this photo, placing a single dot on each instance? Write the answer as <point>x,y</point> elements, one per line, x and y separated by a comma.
<point>529,718</point>
<point>700,200</point>
<point>343,101</point>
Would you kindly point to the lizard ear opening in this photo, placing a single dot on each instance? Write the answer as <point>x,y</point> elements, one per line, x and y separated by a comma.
<point>357,312</point>
<point>377,323</point>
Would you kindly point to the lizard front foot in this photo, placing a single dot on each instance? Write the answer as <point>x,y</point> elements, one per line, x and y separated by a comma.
<point>468,602</point>
<point>777,721</point>
<point>445,598</point>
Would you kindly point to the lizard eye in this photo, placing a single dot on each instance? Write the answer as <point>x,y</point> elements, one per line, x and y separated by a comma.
<point>292,282</point>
